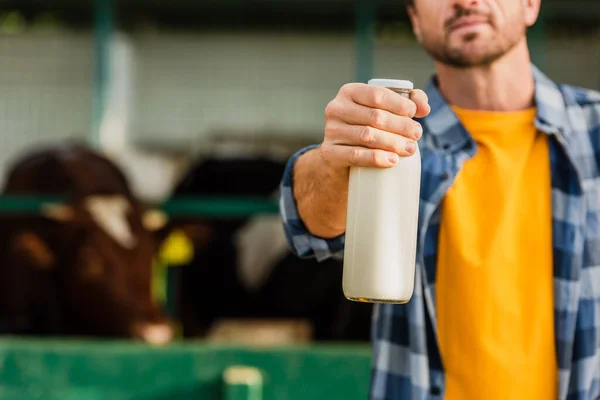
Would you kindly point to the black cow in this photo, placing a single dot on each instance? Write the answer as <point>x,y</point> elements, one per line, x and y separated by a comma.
<point>213,285</point>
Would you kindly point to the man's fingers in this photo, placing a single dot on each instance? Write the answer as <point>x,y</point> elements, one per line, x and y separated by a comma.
<point>367,136</point>
<point>422,102</point>
<point>356,156</point>
<point>380,98</point>
<point>385,99</point>
<point>355,114</point>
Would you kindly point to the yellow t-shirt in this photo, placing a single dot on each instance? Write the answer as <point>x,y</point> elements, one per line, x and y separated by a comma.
<point>494,289</point>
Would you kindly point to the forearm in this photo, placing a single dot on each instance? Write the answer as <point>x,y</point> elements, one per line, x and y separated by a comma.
<point>321,195</point>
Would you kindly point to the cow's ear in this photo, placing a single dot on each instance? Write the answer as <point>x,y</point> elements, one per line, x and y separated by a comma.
<point>34,249</point>
<point>154,220</point>
<point>60,213</point>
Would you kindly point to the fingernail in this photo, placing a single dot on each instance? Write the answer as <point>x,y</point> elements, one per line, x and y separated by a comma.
<point>410,147</point>
<point>393,158</point>
<point>418,131</point>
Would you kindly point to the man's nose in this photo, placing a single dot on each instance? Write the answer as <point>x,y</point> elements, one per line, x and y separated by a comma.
<point>465,4</point>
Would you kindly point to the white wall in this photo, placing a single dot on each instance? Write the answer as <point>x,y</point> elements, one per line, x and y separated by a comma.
<point>190,87</point>
<point>45,90</point>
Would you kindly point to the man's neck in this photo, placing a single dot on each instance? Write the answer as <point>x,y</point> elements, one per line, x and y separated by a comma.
<point>505,85</point>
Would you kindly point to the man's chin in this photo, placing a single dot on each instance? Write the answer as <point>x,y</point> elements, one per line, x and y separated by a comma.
<point>467,60</point>
<point>460,54</point>
<point>470,55</point>
<point>472,43</point>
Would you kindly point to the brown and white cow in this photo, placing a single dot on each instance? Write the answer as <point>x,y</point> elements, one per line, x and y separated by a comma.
<point>82,267</point>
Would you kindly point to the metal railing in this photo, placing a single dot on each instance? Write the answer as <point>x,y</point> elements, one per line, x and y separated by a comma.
<point>211,206</point>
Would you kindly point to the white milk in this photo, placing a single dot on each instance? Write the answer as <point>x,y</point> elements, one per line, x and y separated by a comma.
<point>381,227</point>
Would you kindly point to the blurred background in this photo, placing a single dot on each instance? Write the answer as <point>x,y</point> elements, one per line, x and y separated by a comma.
<point>199,104</point>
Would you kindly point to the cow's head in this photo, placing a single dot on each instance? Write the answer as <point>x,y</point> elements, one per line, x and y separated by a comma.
<point>102,248</point>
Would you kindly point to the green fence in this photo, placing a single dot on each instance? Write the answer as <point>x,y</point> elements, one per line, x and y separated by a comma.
<point>59,370</point>
<point>119,370</point>
<point>214,207</point>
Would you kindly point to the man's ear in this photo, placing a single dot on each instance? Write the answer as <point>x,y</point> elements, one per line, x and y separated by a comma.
<point>531,11</point>
<point>34,250</point>
<point>414,19</point>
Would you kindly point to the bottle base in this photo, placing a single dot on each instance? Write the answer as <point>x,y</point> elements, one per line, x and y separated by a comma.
<point>376,301</point>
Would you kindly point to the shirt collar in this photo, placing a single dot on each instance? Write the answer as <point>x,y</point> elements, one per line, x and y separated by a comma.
<point>448,133</point>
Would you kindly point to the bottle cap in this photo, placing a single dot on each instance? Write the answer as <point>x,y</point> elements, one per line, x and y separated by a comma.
<point>392,83</point>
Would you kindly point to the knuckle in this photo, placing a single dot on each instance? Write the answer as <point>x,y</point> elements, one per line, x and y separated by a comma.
<point>400,146</point>
<point>375,158</point>
<point>331,109</point>
<point>379,96</point>
<point>410,127</point>
<point>413,109</point>
<point>418,130</point>
<point>377,117</point>
<point>367,135</point>
<point>329,129</point>
<point>326,152</point>
<point>408,108</point>
<point>335,131</point>
<point>347,87</point>
<point>407,127</point>
<point>355,155</point>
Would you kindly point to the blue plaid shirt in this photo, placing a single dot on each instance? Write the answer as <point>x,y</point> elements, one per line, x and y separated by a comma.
<point>406,359</point>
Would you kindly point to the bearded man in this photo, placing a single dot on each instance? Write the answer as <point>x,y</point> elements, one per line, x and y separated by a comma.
<point>507,284</point>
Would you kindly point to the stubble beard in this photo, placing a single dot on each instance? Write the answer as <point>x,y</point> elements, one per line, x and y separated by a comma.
<point>461,58</point>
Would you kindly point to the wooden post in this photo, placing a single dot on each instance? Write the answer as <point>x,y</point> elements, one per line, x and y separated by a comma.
<point>536,37</point>
<point>242,383</point>
<point>365,39</point>
<point>102,36</point>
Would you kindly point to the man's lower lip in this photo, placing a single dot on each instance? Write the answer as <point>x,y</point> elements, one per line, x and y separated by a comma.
<point>466,26</point>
